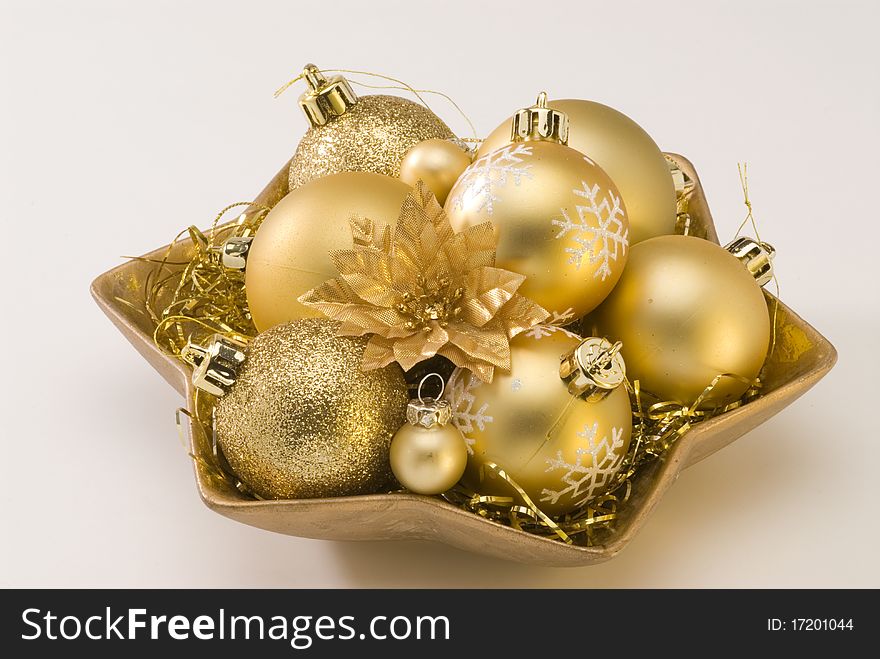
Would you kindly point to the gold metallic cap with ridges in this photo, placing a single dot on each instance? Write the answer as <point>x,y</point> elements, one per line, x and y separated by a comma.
<point>234,252</point>
<point>215,366</point>
<point>756,256</point>
<point>539,122</point>
<point>428,412</point>
<point>684,188</point>
<point>593,369</point>
<point>325,99</point>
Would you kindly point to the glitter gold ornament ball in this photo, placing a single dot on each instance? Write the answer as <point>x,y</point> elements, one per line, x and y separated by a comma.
<point>290,253</point>
<point>626,152</point>
<point>302,419</point>
<point>562,450</point>
<point>373,136</point>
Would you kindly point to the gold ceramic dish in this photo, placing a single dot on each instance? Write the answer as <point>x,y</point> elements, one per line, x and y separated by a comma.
<point>802,357</point>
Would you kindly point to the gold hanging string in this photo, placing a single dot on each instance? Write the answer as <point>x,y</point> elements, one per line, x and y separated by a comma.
<point>743,169</point>
<point>398,84</point>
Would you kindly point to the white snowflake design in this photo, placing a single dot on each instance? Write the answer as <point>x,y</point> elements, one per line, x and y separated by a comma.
<point>459,393</point>
<point>610,229</point>
<point>553,324</point>
<point>481,181</point>
<point>538,332</point>
<point>586,479</point>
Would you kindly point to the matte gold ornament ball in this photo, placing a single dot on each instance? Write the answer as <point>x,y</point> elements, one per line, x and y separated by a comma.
<point>560,221</point>
<point>303,420</point>
<point>438,163</point>
<point>560,449</point>
<point>628,155</point>
<point>686,311</point>
<point>290,253</point>
<point>428,453</point>
<point>373,135</point>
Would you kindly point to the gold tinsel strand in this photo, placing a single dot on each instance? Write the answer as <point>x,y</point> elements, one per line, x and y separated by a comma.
<point>195,299</point>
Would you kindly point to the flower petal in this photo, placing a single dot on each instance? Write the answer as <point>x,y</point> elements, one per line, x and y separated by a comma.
<point>378,354</point>
<point>489,344</point>
<point>520,314</point>
<point>487,290</point>
<point>369,273</point>
<point>472,248</point>
<point>421,229</point>
<point>461,359</point>
<point>419,346</point>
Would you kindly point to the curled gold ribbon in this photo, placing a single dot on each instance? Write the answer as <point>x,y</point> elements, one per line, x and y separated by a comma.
<point>193,298</point>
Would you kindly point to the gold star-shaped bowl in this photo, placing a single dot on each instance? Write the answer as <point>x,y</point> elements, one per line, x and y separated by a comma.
<point>801,358</point>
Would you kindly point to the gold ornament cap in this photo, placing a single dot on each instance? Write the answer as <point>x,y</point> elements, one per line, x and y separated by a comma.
<point>216,365</point>
<point>756,256</point>
<point>684,187</point>
<point>593,369</point>
<point>234,252</point>
<point>539,122</point>
<point>325,99</point>
<point>429,412</point>
<point>680,180</point>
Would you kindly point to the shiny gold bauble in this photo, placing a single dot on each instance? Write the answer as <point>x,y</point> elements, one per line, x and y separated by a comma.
<point>686,310</point>
<point>627,154</point>
<point>371,136</point>
<point>428,460</point>
<point>290,254</point>
<point>303,420</point>
<point>559,218</point>
<point>438,163</point>
<point>561,450</point>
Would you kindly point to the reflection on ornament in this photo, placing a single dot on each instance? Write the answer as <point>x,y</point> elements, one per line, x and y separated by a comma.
<point>625,152</point>
<point>291,252</point>
<point>428,454</point>
<point>559,447</point>
<point>298,418</point>
<point>348,133</point>
<point>688,310</point>
<point>560,220</point>
<point>438,163</point>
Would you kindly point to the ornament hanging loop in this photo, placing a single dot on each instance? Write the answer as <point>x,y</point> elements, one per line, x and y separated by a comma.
<point>425,379</point>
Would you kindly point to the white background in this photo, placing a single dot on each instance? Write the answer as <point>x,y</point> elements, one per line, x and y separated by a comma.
<point>122,123</point>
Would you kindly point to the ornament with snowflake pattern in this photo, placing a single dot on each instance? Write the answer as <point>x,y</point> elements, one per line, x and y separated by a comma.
<point>561,450</point>
<point>560,221</point>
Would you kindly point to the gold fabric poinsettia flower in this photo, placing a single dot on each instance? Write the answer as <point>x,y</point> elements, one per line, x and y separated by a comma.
<point>422,290</point>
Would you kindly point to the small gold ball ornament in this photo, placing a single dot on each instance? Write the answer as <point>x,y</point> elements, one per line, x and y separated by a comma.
<point>290,253</point>
<point>628,155</point>
<point>348,133</point>
<point>688,310</point>
<point>558,424</point>
<point>559,218</point>
<point>438,163</point>
<point>428,454</point>
<point>298,418</point>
